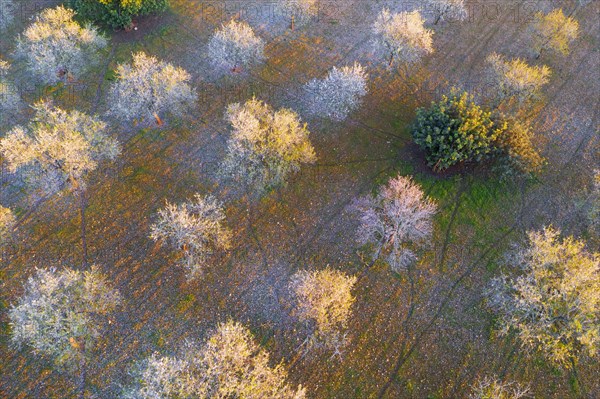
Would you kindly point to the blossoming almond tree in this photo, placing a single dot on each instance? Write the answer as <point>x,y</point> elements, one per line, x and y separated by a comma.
<point>57,151</point>
<point>230,364</point>
<point>148,88</point>
<point>62,314</point>
<point>338,94</point>
<point>396,220</point>
<point>402,37</point>
<point>299,12</point>
<point>323,300</point>
<point>554,31</point>
<point>56,48</point>
<point>516,79</point>
<point>235,46</point>
<point>447,10</point>
<point>196,227</point>
<point>265,146</point>
<point>490,388</point>
<point>554,303</point>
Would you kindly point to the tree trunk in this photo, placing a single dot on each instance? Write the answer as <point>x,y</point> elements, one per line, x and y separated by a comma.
<point>438,19</point>
<point>83,228</point>
<point>159,122</point>
<point>391,59</point>
<point>293,21</point>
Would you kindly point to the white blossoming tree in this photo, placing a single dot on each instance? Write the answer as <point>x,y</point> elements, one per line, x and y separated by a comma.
<point>57,151</point>
<point>554,32</point>
<point>402,37</point>
<point>230,364</point>
<point>62,314</point>
<point>323,301</point>
<point>7,13</point>
<point>447,10</point>
<point>265,146</point>
<point>396,221</point>
<point>553,305</point>
<point>515,78</point>
<point>7,223</point>
<point>338,94</point>
<point>235,46</point>
<point>490,388</point>
<point>149,88</point>
<point>10,100</point>
<point>56,48</point>
<point>196,228</point>
<point>298,12</point>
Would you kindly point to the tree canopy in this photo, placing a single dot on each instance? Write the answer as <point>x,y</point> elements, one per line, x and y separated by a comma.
<point>323,301</point>
<point>148,87</point>
<point>61,313</point>
<point>196,227</point>
<point>57,48</point>
<point>553,305</point>
<point>58,148</point>
<point>265,145</point>
<point>230,364</point>
<point>396,220</point>
<point>117,14</point>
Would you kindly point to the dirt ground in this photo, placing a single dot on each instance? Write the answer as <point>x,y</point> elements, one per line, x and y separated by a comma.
<point>423,334</point>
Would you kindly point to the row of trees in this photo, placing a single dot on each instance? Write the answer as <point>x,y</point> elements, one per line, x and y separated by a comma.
<point>64,313</point>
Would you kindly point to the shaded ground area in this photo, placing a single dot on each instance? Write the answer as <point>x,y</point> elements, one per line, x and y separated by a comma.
<point>423,334</point>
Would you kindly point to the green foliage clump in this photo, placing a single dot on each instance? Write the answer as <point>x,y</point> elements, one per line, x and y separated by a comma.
<point>116,14</point>
<point>455,130</point>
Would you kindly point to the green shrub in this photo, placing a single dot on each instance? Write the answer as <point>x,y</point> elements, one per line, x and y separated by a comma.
<point>456,130</point>
<point>116,14</point>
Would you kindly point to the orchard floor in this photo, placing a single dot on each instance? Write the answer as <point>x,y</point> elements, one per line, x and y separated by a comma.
<point>421,334</point>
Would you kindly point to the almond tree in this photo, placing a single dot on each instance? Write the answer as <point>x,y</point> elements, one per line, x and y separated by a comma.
<point>235,46</point>
<point>56,48</point>
<point>402,37</point>
<point>338,94</point>
<point>554,303</point>
<point>7,223</point>
<point>323,301</point>
<point>230,364</point>
<point>148,88</point>
<point>554,31</point>
<point>196,227</point>
<point>10,101</point>
<point>7,13</point>
<point>299,12</point>
<point>516,79</point>
<point>57,151</point>
<point>447,10</point>
<point>62,314</point>
<point>396,221</point>
<point>265,146</point>
<point>489,388</point>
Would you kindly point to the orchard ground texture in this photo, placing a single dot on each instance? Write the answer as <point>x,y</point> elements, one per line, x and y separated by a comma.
<point>422,334</point>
